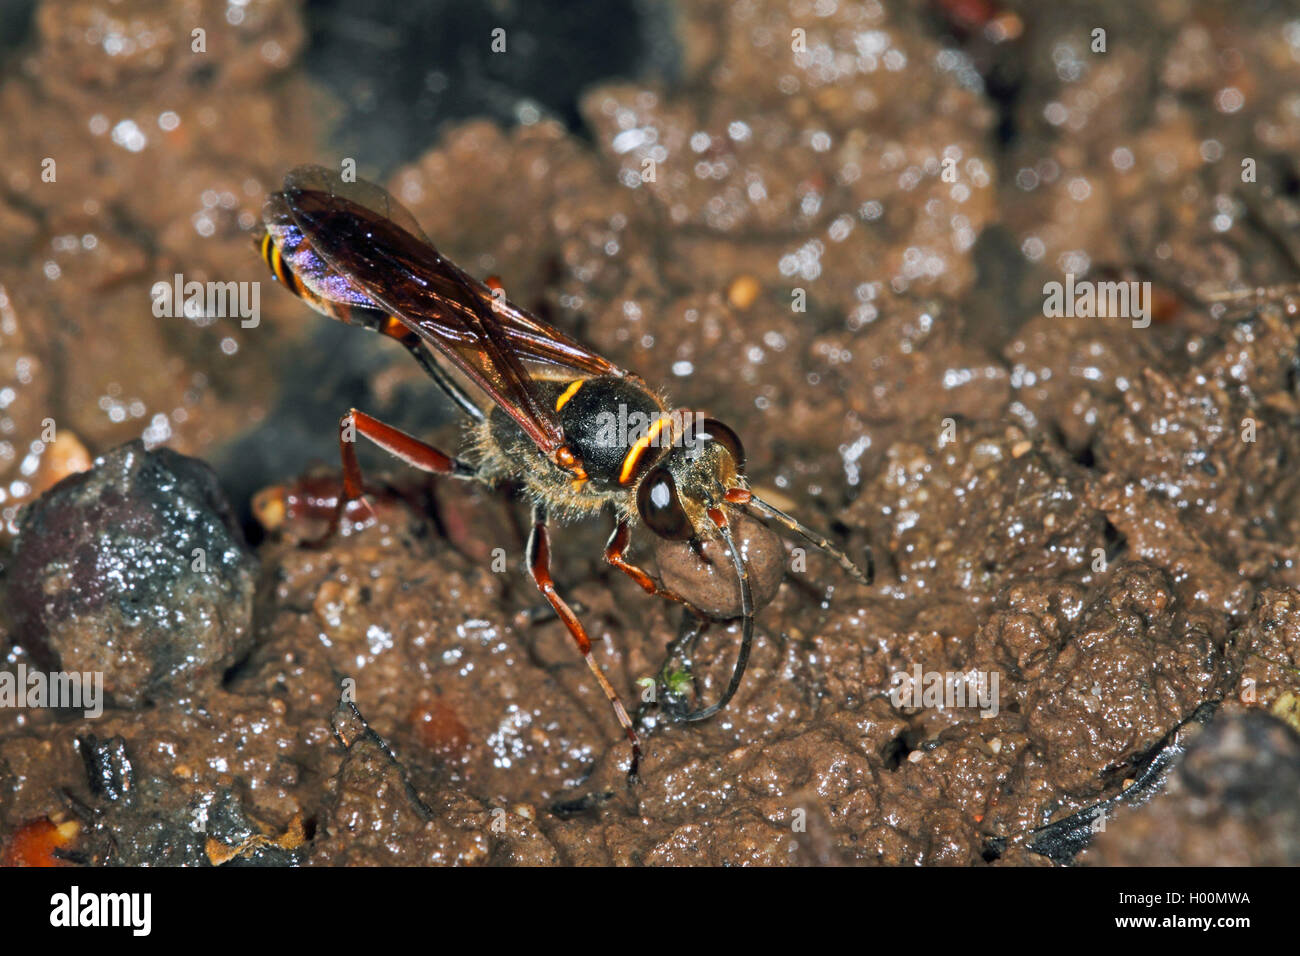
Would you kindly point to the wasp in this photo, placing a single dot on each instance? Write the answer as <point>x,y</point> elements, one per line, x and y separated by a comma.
<point>353,253</point>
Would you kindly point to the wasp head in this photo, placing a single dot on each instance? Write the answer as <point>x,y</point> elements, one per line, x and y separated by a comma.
<point>681,496</point>
<point>685,497</point>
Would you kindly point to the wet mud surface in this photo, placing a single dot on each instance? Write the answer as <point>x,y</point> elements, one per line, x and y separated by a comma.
<point>1098,515</point>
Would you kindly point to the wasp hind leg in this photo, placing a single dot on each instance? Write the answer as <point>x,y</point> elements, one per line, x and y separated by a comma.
<point>539,566</point>
<point>398,444</point>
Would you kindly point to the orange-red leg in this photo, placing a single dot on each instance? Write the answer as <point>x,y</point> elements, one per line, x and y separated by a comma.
<point>539,565</point>
<point>392,440</point>
<point>616,548</point>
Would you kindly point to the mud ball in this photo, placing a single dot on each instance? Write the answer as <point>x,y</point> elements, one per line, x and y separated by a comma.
<point>710,583</point>
<point>137,570</point>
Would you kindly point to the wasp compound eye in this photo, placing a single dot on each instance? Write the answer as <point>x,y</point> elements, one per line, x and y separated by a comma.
<point>713,430</point>
<point>660,508</point>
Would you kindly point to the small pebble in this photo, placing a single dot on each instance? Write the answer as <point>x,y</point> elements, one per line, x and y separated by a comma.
<point>743,292</point>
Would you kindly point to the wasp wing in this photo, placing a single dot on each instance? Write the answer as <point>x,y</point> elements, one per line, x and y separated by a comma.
<point>363,248</point>
<point>530,337</point>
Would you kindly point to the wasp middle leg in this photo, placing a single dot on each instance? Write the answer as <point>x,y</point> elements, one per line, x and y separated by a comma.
<point>539,565</point>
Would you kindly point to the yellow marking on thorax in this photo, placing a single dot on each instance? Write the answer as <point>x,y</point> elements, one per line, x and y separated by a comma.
<point>568,393</point>
<point>645,441</point>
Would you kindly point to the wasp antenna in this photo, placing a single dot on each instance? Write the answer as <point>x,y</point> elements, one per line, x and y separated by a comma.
<point>816,540</point>
<point>747,631</point>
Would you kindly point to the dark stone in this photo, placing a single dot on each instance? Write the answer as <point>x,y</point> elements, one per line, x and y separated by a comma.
<point>135,569</point>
